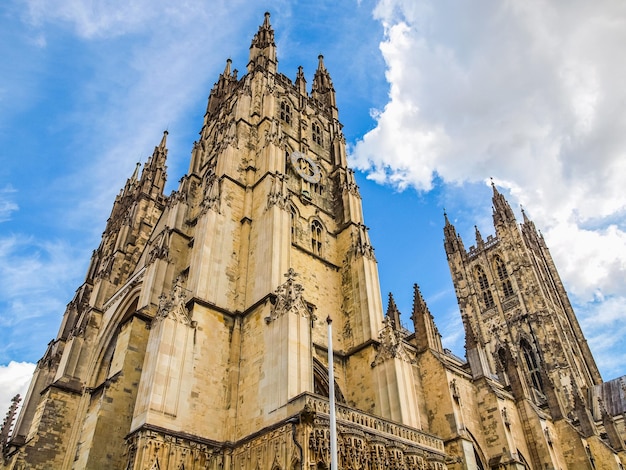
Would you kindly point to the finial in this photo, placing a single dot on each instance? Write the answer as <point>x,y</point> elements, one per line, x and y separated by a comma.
<point>266,21</point>
<point>524,216</point>
<point>227,68</point>
<point>136,172</point>
<point>493,186</point>
<point>320,63</point>
<point>479,238</point>
<point>163,139</point>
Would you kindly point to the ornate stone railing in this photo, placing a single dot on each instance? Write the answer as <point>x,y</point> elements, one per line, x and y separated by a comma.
<point>375,424</point>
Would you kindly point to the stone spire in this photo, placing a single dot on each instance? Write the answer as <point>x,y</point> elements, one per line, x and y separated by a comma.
<point>480,243</point>
<point>222,88</point>
<point>154,172</point>
<point>263,48</point>
<point>323,90</point>
<point>426,334</point>
<point>393,313</point>
<point>301,81</point>
<point>452,241</point>
<point>502,212</point>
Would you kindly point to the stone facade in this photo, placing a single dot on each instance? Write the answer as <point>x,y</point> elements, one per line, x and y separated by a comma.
<point>199,339</point>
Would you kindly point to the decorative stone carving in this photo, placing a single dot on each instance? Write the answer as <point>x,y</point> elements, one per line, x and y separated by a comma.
<point>454,388</point>
<point>349,184</point>
<point>160,247</point>
<point>278,195</point>
<point>275,134</point>
<point>211,199</point>
<point>289,299</point>
<point>174,306</point>
<point>361,245</point>
<point>106,266</point>
<point>391,345</point>
<point>230,135</point>
<point>148,449</point>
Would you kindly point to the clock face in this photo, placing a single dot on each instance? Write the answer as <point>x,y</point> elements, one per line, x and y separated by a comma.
<point>305,167</point>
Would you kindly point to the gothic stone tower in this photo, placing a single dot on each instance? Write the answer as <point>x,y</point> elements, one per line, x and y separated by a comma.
<point>521,331</point>
<point>198,339</point>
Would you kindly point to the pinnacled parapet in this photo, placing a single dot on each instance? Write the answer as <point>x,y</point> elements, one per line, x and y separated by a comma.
<point>7,424</point>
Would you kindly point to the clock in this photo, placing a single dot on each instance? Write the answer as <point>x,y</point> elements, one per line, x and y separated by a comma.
<point>305,167</point>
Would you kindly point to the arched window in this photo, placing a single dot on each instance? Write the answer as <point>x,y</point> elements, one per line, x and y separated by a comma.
<point>483,283</point>
<point>503,275</point>
<point>502,367</point>
<point>531,365</point>
<point>316,237</point>
<point>479,463</point>
<point>482,278</point>
<point>294,221</point>
<point>316,131</point>
<point>320,382</point>
<point>285,112</point>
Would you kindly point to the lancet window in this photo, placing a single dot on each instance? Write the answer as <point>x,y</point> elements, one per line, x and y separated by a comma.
<point>503,276</point>
<point>316,237</point>
<point>294,221</point>
<point>502,367</point>
<point>483,283</point>
<point>530,359</point>
<point>317,133</point>
<point>285,112</point>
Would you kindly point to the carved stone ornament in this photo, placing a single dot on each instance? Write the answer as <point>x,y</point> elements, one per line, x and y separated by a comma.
<point>230,136</point>
<point>361,245</point>
<point>160,248</point>
<point>278,195</point>
<point>147,449</point>
<point>289,299</point>
<point>391,345</point>
<point>274,134</point>
<point>349,184</point>
<point>211,199</point>
<point>174,306</point>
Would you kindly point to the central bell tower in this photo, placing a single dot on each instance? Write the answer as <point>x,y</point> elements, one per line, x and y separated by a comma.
<point>199,336</point>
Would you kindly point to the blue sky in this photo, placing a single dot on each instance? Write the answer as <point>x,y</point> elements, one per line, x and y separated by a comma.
<point>436,97</point>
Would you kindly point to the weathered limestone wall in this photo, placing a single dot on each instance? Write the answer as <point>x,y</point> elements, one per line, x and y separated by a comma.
<point>50,431</point>
<point>109,414</point>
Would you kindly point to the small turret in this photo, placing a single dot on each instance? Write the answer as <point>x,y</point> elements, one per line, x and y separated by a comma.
<point>452,241</point>
<point>222,88</point>
<point>393,313</point>
<point>480,243</point>
<point>263,49</point>
<point>426,334</point>
<point>154,172</point>
<point>301,81</point>
<point>323,90</point>
<point>502,212</point>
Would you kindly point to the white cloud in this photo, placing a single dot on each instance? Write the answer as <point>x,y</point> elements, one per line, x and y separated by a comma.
<point>94,18</point>
<point>36,282</point>
<point>605,328</point>
<point>14,378</point>
<point>7,204</point>
<point>530,93</point>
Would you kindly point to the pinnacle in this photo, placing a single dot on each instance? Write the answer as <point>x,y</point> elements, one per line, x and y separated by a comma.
<point>163,140</point>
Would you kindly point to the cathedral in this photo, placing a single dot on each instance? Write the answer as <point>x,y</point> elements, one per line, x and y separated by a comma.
<point>199,338</point>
